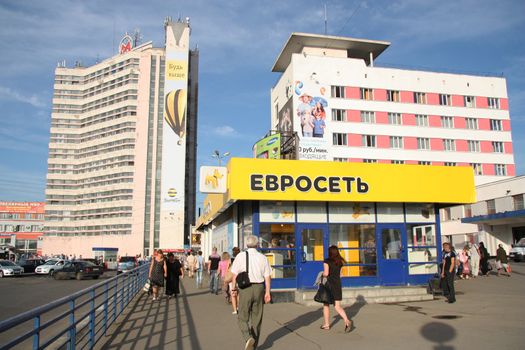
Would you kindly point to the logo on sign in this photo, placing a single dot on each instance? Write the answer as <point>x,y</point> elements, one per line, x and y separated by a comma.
<point>126,44</point>
<point>272,141</point>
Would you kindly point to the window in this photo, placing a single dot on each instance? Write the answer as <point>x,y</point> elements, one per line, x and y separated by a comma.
<point>493,102</point>
<point>357,245</point>
<point>478,168</point>
<point>368,117</point>
<point>444,100</point>
<point>421,249</point>
<point>470,101</point>
<point>340,160</point>
<point>367,94</point>
<point>397,161</point>
<point>468,210</point>
<point>491,207</point>
<point>369,140</point>
<point>338,115</point>
<point>473,146</point>
<point>369,160</point>
<point>278,244</point>
<point>338,91</point>
<point>518,202</point>
<point>420,97</point>
<point>446,214</point>
<point>450,164</point>
<point>423,162</point>
<point>394,118</point>
<point>396,142</point>
<point>471,123</point>
<point>421,120</point>
<point>495,125</point>
<point>393,96</point>
<point>423,143</point>
<point>339,139</point>
<point>447,122</point>
<point>500,169</point>
<point>497,147</point>
<point>449,145</point>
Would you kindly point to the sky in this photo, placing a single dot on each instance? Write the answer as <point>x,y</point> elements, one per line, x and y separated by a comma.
<point>238,41</point>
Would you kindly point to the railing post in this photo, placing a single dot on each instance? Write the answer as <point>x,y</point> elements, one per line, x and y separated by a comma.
<point>115,298</point>
<point>72,334</point>
<point>36,337</point>
<point>92,321</point>
<point>106,297</point>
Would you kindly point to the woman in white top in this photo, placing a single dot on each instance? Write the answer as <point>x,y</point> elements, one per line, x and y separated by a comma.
<point>474,260</point>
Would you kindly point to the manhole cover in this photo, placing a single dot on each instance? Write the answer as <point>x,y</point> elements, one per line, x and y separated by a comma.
<point>446,317</point>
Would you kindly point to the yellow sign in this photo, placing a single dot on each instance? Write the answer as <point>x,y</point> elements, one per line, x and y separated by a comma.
<point>301,180</point>
<point>176,70</point>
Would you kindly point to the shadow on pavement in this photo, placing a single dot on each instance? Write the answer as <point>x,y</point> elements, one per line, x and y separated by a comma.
<point>147,324</point>
<point>439,333</point>
<point>307,319</point>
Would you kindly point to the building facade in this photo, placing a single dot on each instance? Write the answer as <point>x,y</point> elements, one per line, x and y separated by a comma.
<point>21,227</point>
<point>498,216</point>
<point>345,108</point>
<point>122,150</point>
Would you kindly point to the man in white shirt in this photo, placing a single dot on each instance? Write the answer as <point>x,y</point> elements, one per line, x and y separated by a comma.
<point>252,298</point>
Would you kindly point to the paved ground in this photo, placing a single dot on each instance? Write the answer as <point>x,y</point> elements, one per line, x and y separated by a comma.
<point>20,294</point>
<point>489,314</point>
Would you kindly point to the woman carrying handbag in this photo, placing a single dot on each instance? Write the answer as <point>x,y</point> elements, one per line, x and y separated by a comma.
<point>332,270</point>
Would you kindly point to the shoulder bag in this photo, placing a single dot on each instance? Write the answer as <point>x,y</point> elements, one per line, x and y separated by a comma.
<point>243,279</point>
<point>324,294</point>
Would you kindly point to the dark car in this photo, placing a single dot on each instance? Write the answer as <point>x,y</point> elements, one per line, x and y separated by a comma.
<point>79,269</point>
<point>94,261</point>
<point>30,265</point>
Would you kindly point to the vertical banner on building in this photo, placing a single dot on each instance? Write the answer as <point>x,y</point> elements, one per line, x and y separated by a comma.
<point>174,136</point>
<point>312,120</point>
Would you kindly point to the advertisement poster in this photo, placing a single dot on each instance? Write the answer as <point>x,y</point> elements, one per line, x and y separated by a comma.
<point>174,138</point>
<point>213,179</point>
<point>285,117</point>
<point>269,147</point>
<point>311,120</point>
<point>22,207</point>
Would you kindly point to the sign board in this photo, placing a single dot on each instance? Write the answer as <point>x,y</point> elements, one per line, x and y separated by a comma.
<point>213,179</point>
<point>126,44</point>
<point>269,147</point>
<point>22,207</point>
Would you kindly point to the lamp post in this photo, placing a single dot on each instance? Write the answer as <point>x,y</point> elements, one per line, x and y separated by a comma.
<point>219,156</point>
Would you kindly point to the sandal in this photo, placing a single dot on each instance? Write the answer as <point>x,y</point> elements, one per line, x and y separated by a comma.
<point>326,328</point>
<point>349,326</point>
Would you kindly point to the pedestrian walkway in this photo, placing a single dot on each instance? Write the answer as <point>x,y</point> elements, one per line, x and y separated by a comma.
<point>488,315</point>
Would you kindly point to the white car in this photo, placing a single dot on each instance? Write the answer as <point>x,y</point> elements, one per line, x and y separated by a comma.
<point>8,268</point>
<point>50,267</point>
<point>517,253</point>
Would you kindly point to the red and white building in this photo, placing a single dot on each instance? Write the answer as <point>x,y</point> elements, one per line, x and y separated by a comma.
<point>21,226</point>
<point>392,115</point>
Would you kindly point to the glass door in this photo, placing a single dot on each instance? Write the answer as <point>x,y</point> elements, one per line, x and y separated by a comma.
<point>392,254</point>
<point>311,251</point>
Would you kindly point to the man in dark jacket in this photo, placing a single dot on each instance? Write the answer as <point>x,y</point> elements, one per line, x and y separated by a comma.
<point>502,262</point>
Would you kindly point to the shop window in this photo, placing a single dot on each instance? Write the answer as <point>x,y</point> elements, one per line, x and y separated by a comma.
<point>270,211</point>
<point>348,212</point>
<point>421,235</point>
<point>421,249</point>
<point>311,212</point>
<point>420,212</point>
<point>278,245</point>
<point>390,212</point>
<point>391,243</point>
<point>357,245</point>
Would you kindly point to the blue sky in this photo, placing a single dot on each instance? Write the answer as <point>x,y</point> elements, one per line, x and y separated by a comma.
<point>238,42</point>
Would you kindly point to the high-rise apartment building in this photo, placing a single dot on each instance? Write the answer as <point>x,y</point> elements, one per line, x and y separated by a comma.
<point>344,108</point>
<point>122,151</point>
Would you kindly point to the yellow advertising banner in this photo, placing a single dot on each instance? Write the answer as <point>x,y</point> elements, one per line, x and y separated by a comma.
<point>176,70</point>
<point>301,180</point>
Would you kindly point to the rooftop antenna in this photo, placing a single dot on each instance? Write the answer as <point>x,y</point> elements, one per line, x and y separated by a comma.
<point>325,21</point>
<point>137,37</point>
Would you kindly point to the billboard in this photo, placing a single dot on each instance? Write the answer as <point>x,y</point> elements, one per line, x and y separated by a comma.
<point>268,147</point>
<point>213,179</point>
<point>285,117</point>
<point>22,207</point>
<point>310,120</point>
<point>174,136</point>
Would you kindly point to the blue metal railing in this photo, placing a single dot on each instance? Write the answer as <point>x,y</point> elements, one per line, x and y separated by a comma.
<point>77,321</point>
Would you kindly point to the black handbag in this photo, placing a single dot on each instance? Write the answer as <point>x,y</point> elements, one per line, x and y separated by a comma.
<point>243,279</point>
<point>324,294</point>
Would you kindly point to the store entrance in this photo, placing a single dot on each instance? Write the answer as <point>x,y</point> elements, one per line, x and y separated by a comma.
<point>391,255</point>
<point>311,248</point>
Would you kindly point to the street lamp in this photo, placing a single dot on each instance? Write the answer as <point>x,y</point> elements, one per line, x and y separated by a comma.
<point>217,154</point>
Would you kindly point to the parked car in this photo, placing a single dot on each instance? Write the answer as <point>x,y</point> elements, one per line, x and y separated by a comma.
<point>517,253</point>
<point>126,264</point>
<point>9,268</point>
<point>30,265</point>
<point>95,261</point>
<point>50,267</point>
<point>78,269</point>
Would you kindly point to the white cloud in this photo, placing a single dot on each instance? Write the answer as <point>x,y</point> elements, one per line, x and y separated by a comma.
<point>12,95</point>
<point>225,130</point>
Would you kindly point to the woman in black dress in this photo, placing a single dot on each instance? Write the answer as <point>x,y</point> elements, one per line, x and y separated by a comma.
<point>157,273</point>
<point>175,270</point>
<point>332,270</point>
<point>483,259</point>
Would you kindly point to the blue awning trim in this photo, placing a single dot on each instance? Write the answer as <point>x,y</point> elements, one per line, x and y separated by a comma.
<point>504,215</point>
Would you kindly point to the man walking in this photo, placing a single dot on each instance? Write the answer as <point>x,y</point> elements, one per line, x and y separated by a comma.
<point>447,274</point>
<point>191,260</point>
<point>252,298</point>
<point>199,267</point>
<point>213,266</point>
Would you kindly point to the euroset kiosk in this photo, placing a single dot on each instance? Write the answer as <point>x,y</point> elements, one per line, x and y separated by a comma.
<point>383,217</point>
